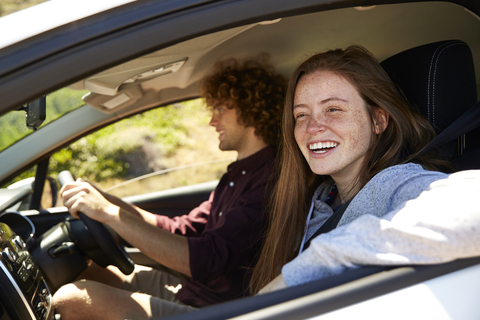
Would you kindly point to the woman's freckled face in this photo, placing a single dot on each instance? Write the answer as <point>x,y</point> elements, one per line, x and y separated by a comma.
<point>332,127</point>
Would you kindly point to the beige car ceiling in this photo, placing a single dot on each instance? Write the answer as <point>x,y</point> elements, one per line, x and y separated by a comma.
<point>173,73</point>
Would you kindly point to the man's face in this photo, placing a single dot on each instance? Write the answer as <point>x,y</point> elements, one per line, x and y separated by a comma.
<point>232,134</point>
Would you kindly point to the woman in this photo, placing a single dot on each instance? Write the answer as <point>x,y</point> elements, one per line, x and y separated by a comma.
<point>348,134</point>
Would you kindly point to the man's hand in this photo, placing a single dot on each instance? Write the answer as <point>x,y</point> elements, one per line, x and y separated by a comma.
<point>137,227</point>
<point>80,196</point>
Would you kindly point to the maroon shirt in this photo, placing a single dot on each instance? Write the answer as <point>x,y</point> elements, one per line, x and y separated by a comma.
<point>225,232</point>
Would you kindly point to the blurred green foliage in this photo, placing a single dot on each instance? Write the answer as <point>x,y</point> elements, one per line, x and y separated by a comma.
<point>58,103</point>
<point>101,155</point>
<point>17,129</point>
<point>63,101</point>
<point>10,6</point>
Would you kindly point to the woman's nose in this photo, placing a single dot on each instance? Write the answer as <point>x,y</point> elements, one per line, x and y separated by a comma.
<point>315,125</point>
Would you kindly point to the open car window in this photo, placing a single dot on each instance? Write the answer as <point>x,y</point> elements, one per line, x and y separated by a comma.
<point>159,149</point>
<point>58,104</point>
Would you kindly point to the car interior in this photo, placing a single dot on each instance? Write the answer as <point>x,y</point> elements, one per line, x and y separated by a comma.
<point>431,50</point>
<point>439,67</point>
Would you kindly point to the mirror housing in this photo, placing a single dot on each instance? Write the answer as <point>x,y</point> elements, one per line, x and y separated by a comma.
<point>36,113</point>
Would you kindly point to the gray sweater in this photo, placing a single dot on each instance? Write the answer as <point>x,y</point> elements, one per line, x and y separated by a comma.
<point>403,215</point>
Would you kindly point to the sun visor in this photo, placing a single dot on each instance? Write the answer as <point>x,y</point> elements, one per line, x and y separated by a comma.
<point>113,80</point>
<point>110,104</point>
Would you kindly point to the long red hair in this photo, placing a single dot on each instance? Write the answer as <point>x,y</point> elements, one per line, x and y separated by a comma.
<point>406,134</point>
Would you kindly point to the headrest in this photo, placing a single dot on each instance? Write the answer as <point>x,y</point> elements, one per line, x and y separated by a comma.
<point>437,78</point>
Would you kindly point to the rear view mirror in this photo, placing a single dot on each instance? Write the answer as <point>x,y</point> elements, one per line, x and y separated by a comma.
<point>36,113</point>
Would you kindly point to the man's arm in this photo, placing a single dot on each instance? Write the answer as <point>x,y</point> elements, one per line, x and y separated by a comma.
<point>190,225</point>
<point>169,249</point>
<point>147,216</point>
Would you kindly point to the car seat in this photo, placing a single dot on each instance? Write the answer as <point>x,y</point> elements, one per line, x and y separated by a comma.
<point>439,79</point>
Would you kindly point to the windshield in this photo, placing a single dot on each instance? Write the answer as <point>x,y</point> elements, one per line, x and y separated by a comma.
<point>58,104</point>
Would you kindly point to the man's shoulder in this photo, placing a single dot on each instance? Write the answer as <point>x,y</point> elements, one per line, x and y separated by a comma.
<point>261,160</point>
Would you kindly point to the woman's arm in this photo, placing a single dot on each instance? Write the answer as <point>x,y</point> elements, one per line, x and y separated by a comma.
<point>274,285</point>
<point>441,225</point>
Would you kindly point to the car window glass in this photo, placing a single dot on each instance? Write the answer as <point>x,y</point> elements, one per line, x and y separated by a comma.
<point>159,149</point>
<point>11,6</point>
<point>58,104</point>
<point>25,180</point>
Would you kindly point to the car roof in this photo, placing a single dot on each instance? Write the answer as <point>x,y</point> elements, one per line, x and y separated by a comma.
<point>384,29</point>
<point>49,15</point>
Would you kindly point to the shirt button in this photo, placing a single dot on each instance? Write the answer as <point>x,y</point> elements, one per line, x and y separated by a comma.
<point>220,214</point>
<point>231,184</point>
<point>244,172</point>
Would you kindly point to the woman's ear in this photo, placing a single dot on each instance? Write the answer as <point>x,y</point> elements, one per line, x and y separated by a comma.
<point>380,120</point>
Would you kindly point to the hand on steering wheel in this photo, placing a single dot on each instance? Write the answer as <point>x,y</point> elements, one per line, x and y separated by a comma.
<point>116,254</point>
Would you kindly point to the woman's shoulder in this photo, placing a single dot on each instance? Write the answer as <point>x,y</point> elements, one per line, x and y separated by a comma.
<point>404,173</point>
<point>405,179</point>
<point>391,188</point>
<point>407,168</point>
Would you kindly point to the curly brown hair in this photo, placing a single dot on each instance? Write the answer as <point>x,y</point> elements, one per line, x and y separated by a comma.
<point>254,89</point>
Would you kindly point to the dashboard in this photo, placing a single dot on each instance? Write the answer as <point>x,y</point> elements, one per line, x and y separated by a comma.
<point>24,293</point>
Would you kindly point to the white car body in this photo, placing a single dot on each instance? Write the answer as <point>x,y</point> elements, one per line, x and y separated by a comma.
<point>111,48</point>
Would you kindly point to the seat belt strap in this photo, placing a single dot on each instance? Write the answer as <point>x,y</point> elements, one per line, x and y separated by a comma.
<point>330,224</point>
<point>465,123</point>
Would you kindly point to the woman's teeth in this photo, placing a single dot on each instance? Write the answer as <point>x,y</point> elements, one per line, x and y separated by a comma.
<point>322,147</point>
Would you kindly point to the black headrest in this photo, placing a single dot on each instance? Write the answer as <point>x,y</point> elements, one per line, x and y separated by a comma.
<point>437,78</point>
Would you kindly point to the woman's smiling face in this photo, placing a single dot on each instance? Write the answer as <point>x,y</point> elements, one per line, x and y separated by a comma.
<point>332,126</point>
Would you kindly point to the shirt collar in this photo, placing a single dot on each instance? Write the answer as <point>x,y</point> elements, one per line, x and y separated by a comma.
<point>254,161</point>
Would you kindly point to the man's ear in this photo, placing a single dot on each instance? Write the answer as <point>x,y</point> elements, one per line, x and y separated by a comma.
<point>380,120</point>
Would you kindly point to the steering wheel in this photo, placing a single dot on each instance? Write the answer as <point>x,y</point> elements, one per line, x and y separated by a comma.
<point>116,254</point>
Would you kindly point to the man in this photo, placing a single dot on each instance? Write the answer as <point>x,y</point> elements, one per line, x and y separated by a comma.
<point>216,245</point>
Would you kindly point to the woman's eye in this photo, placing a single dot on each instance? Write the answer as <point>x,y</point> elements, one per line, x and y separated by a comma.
<point>333,109</point>
<point>300,115</point>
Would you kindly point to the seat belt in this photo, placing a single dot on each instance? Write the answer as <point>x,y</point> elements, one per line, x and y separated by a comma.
<point>330,224</point>
<point>464,124</point>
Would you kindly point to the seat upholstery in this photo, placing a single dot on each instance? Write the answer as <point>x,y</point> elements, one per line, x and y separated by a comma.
<point>439,79</point>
